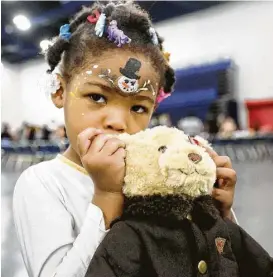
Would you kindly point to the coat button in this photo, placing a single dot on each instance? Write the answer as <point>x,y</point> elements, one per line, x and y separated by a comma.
<point>202,267</point>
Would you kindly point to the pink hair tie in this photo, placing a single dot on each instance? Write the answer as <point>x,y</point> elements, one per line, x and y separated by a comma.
<point>93,18</point>
<point>162,95</point>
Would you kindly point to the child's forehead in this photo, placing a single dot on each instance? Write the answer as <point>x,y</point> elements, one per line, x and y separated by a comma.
<point>134,66</point>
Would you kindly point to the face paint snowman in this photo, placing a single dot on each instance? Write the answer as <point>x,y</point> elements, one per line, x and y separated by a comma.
<point>128,83</point>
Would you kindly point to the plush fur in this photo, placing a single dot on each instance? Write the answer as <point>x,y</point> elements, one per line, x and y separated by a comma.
<point>169,209</point>
<point>162,161</point>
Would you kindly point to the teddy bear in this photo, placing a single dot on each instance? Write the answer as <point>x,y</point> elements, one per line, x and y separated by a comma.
<point>170,226</point>
<point>165,161</point>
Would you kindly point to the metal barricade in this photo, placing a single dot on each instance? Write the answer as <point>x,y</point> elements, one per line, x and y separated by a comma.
<point>18,156</point>
<point>256,149</point>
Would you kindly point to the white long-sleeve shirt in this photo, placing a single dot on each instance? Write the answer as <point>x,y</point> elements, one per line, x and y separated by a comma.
<point>57,226</point>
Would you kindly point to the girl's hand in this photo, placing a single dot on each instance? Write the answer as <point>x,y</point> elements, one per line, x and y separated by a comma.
<point>103,158</point>
<point>224,191</point>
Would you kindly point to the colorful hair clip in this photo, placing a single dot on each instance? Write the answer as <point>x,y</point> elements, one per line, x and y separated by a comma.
<point>162,95</point>
<point>100,25</point>
<point>153,35</point>
<point>116,35</point>
<point>93,18</point>
<point>65,32</point>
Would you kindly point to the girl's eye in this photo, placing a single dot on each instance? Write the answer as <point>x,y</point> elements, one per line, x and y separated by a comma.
<point>139,109</point>
<point>97,98</point>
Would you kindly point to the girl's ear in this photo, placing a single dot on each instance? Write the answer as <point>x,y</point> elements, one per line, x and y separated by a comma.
<point>58,97</point>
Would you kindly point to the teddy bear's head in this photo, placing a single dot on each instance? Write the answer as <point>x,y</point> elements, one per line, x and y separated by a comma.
<point>165,161</point>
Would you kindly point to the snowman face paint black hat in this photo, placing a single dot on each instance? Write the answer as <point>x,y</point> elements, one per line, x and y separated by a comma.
<point>128,83</point>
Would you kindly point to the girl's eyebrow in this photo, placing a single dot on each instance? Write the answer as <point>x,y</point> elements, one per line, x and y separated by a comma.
<point>103,85</point>
<point>144,97</point>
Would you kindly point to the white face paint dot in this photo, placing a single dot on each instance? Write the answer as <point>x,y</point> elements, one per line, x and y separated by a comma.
<point>95,66</point>
<point>82,113</point>
<point>89,72</point>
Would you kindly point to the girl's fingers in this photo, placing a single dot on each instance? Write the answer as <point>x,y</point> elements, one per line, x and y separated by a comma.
<point>211,152</point>
<point>223,161</point>
<point>220,195</point>
<point>98,144</point>
<point>85,138</point>
<point>112,145</point>
<point>220,161</point>
<point>227,175</point>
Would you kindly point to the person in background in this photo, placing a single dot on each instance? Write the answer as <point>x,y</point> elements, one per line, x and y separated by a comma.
<point>23,132</point>
<point>191,125</point>
<point>165,119</point>
<point>6,132</point>
<point>31,134</point>
<point>153,122</point>
<point>46,133</point>
<point>227,127</point>
<point>59,135</point>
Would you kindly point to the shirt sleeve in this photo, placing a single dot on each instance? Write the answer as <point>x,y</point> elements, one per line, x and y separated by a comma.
<point>234,218</point>
<point>45,230</point>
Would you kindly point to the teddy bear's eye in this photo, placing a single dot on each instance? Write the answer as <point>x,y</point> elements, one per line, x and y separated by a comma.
<point>162,148</point>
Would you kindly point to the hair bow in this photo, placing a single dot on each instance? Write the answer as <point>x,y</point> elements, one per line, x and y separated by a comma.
<point>65,32</point>
<point>162,95</point>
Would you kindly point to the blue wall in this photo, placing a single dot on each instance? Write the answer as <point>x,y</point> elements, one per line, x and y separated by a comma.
<point>195,90</point>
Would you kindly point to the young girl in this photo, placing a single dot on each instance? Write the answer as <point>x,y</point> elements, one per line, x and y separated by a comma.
<point>112,75</point>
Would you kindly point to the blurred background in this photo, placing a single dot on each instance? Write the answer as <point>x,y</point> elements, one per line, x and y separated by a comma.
<point>222,53</point>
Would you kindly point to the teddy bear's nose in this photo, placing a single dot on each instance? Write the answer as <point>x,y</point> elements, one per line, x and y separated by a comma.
<point>196,158</point>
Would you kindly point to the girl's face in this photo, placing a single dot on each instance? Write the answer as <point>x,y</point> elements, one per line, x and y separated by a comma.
<point>116,94</point>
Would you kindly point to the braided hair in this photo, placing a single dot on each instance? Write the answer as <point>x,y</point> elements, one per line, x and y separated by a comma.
<point>71,55</point>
